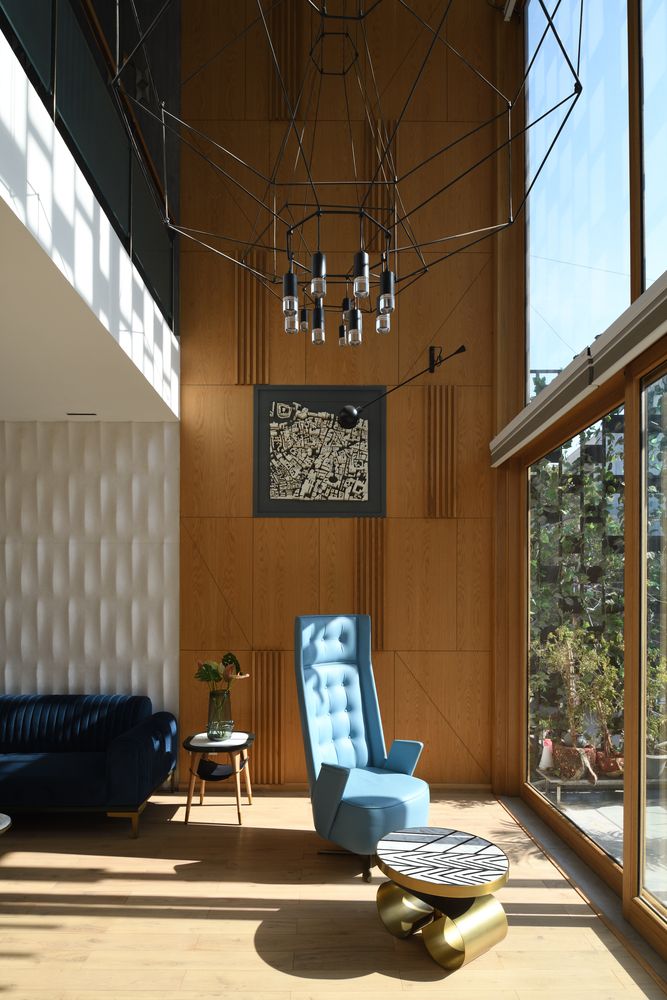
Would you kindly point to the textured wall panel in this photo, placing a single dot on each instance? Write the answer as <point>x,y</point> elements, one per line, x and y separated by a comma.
<point>252,307</point>
<point>89,550</point>
<point>268,716</point>
<point>441,453</point>
<point>369,580</point>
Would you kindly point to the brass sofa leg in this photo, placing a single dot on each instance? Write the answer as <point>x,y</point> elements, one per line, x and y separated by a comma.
<point>132,816</point>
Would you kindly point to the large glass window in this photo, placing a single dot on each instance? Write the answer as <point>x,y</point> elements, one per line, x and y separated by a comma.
<point>654,46</point>
<point>578,220</point>
<point>654,825</point>
<point>575,720</point>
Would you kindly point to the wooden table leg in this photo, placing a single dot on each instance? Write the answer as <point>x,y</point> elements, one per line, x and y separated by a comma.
<point>202,783</point>
<point>194,764</point>
<point>248,786</point>
<point>236,761</point>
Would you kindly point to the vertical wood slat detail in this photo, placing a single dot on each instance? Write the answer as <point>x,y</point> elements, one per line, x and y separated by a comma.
<point>369,589</point>
<point>440,442</point>
<point>252,319</point>
<point>382,201</point>
<point>267,717</point>
<point>286,29</point>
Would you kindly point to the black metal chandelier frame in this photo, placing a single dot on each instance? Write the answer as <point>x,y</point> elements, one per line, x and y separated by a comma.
<point>396,235</point>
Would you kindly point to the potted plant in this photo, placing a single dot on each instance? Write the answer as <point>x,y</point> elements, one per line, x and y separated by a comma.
<point>220,675</point>
<point>566,661</point>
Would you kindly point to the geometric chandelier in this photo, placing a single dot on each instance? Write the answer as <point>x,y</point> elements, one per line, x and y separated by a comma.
<point>337,237</point>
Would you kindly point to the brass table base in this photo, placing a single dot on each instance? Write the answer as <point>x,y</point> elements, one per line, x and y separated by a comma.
<point>455,932</point>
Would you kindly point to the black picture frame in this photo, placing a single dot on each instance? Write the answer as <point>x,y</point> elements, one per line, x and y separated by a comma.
<point>329,399</point>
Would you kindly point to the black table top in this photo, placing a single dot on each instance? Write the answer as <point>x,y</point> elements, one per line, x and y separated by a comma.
<point>443,862</point>
<point>199,743</point>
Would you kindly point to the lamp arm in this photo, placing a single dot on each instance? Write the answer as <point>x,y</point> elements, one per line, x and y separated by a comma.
<point>431,367</point>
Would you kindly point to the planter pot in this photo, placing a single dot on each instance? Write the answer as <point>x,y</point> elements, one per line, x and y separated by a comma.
<point>655,765</point>
<point>220,725</point>
<point>568,763</point>
<point>608,765</point>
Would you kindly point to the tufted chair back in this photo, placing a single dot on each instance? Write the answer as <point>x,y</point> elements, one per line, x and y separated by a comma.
<point>340,715</point>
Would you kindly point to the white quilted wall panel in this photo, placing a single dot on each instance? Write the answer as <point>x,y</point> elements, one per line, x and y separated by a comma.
<point>89,561</point>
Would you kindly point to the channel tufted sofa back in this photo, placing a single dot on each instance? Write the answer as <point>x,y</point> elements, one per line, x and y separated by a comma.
<point>52,723</point>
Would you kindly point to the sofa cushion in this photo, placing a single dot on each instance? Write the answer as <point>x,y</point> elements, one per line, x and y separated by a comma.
<point>67,722</point>
<point>45,780</point>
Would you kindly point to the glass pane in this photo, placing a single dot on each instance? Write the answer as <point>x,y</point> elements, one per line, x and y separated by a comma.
<point>31,21</point>
<point>575,702</point>
<point>150,240</point>
<point>654,46</point>
<point>86,107</point>
<point>654,824</point>
<point>578,249</point>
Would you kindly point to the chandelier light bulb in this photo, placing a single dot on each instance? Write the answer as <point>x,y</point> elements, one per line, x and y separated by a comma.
<point>345,310</point>
<point>318,282</point>
<point>290,294</point>
<point>342,335</point>
<point>291,323</point>
<point>303,320</point>
<point>354,333</point>
<point>362,284</point>
<point>318,323</point>
<point>382,321</point>
<point>386,300</point>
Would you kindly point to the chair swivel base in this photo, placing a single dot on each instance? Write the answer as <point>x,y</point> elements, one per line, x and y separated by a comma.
<point>455,931</point>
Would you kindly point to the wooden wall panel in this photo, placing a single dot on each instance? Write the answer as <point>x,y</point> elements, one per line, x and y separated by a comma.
<point>267,716</point>
<point>473,416</point>
<point>443,699</point>
<point>337,562</point>
<point>216,444</point>
<point>474,593</point>
<point>421,584</point>
<point>216,582</point>
<point>252,313</point>
<point>286,576</point>
<point>425,571</point>
<point>370,573</point>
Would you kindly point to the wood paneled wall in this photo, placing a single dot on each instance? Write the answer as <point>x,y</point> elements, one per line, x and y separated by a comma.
<point>425,572</point>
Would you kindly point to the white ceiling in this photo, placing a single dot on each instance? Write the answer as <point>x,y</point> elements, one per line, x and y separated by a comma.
<point>55,355</point>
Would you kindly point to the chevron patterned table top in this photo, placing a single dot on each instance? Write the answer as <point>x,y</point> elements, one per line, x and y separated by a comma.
<point>443,862</point>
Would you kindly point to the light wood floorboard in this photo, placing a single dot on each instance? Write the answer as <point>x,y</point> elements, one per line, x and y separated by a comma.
<point>214,910</point>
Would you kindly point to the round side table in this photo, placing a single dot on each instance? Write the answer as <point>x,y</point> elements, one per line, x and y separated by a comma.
<point>442,882</point>
<point>201,750</point>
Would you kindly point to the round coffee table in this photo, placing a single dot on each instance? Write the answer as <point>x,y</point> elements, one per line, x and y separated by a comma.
<point>442,883</point>
<point>202,749</point>
<point>5,823</point>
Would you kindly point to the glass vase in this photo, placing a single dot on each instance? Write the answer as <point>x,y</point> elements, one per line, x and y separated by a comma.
<point>220,723</point>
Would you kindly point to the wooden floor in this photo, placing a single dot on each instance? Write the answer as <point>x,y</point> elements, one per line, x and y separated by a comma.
<point>213,911</point>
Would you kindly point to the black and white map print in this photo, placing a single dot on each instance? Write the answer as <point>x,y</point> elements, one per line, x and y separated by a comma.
<point>443,857</point>
<point>311,457</point>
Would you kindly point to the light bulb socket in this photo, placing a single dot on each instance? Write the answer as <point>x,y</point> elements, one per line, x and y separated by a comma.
<point>345,309</point>
<point>303,320</point>
<point>318,323</point>
<point>354,332</point>
<point>386,299</point>
<point>361,275</point>
<point>290,293</point>
<point>342,335</point>
<point>318,283</point>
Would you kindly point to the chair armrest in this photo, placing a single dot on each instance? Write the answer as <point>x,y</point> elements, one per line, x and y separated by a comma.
<point>326,795</point>
<point>403,756</point>
<point>141,759</point>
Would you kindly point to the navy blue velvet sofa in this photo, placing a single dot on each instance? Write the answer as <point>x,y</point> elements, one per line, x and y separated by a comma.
<point>83,752</point>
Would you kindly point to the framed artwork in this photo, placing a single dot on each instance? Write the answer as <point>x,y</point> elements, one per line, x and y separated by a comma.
<point>306,464</point>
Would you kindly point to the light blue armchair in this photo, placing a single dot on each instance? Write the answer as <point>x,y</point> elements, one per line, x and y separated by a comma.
<point>358,792</point>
